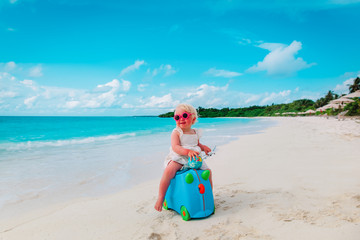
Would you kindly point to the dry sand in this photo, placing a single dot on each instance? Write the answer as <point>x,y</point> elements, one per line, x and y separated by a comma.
<point>298,180</point>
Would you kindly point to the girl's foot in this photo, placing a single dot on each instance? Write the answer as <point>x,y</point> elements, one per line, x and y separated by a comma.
<point>158,205</point>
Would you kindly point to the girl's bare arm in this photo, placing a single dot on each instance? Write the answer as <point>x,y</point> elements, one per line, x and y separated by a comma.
<point>175,144</point>
<point>204,148</point>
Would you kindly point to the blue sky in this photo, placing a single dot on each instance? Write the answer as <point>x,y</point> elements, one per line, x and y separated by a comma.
<point>116,58</point>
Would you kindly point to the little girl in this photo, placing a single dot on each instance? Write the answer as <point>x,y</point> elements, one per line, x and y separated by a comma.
<point>184,144</point>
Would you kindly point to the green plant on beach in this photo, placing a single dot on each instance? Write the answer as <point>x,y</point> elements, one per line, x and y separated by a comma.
<point>353,108</point>
<point>333,112</point>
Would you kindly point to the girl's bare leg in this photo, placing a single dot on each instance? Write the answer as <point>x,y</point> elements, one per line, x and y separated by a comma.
<point>168,174</point>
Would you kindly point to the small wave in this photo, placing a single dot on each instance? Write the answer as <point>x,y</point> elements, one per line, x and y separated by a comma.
<point>209,129</point>
<point>61,143</point>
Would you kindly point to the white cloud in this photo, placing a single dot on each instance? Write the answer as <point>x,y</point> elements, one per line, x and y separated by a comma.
<point>72,104</point>
<point>282,96</point>
<point>29,83</point>
<point>133,67</point>
<point>106,99</point>
<point>141,87</point>
<point>344,87</point>
<point>30,101</point>
<point>222,73</point>
<point>5,75</point>
<point>223,96</point>
<point>116,85</point>
<point>27,96</point>
<point>252,98</point>
<point>108,94</point>
<point>281,59</point>
<point>22,96</point>
<point>206,89</point>
<point>113,84</point>
<point>36,71</point>
<point>244,41</point>
<point>165,69</point>
<point>208,96</point>
<point>125,85</point>
<point>126,105</point>
<point>154,72</point>
<point>310,95</point>
<point>61,94</point>
<point>168,69</point>
<point>272,46</point>
<point>165,101</point>
<point>13,1</point>
<point>8,94</point>
<point>10,66</point>
<point>91,103</point>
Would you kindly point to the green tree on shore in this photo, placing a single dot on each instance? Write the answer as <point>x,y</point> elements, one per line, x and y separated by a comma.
<point>355,86</point>
<point>325,100</point>
<point>300,105</point>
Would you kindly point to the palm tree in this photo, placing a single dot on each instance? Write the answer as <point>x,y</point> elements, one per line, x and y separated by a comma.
<point>355,86</point>
<point>329,96</point>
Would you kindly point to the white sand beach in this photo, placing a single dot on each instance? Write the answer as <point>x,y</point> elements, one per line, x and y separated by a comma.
<point>297,180</point>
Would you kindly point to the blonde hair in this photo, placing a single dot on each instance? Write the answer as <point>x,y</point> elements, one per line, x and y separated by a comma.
<point>188,108</point>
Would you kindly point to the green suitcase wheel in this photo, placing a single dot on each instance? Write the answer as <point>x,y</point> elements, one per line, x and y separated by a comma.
<point>165,206</point>
<point>184,213</point>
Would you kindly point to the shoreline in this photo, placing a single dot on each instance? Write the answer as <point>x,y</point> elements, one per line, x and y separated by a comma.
<point>66,172</point>
<point>295,180</point>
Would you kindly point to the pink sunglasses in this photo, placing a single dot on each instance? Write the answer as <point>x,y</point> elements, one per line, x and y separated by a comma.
<point>185,115</point>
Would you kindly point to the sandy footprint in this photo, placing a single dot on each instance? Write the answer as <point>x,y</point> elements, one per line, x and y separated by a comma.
<point>235,230</point>
<point>154,236</point>
<point>331,214</point>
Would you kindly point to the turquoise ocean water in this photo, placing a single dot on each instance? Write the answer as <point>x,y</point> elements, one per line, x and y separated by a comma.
<point>52,159</point>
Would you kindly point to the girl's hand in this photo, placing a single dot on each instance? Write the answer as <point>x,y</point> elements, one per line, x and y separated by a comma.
<point>193,154</point>
<point>206,149</point>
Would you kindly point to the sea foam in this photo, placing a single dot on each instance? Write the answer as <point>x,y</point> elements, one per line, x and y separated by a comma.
<point>60,143</point>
